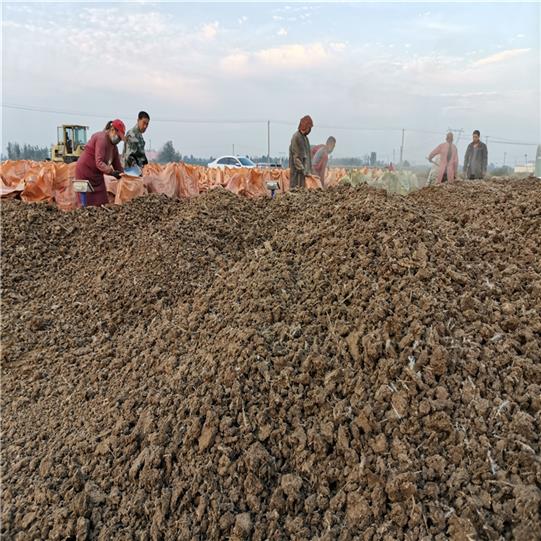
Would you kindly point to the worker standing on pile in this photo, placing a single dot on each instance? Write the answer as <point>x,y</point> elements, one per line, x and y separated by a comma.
<point>300,157</point>
<point>134,144</point>
<point>100,157</point>
<point>448,160</point>
<point>320,158</point>
<point>476,158</point>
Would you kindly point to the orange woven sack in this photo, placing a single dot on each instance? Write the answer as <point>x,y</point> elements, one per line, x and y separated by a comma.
<point>129,188</point>
<point>39,184</point>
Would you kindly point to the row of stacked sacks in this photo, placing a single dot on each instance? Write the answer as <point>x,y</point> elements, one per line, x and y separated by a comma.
<point>52,182</point>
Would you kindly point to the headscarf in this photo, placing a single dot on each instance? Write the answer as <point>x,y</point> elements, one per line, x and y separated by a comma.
<point>306,123</point>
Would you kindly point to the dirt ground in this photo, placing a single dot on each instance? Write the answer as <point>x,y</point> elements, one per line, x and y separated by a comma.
<point>343,364</point>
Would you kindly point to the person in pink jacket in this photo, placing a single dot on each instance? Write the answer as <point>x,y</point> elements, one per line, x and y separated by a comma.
<point>448,160</point>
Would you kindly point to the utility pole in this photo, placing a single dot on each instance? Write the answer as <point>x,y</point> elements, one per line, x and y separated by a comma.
<point>268,141</point>
<point>402,149</point>
<point>525,159</point>
<point>233,149</point>
<point>504,156</point>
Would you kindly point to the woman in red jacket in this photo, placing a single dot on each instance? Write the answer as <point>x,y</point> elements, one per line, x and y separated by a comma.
<point>100,157</point>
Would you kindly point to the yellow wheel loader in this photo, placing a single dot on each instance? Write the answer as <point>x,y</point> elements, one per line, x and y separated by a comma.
<point>72,139</point>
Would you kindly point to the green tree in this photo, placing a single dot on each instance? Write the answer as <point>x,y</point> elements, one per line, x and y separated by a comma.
<point>27,152</point>
<point>14,151</point>
<point>168,154</point>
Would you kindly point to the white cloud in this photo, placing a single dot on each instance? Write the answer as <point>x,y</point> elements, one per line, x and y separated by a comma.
<point>337,46</point>
<point>186,70</point>
<point>98,16</point>
<point>430,65</point>
<point>451,110</point>
<point>210,30</point>
<point>296,55</point>
<point>85,36</point>
<point>293,56</point>
<point>164,84</point>
<point>501,57</point>
<point>237,62</point>
<point>428,22</point>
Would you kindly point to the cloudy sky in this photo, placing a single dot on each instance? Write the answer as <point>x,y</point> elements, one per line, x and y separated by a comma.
<point>212,74</point>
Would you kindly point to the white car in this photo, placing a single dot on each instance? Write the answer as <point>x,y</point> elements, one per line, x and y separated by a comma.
<point>231,161</point>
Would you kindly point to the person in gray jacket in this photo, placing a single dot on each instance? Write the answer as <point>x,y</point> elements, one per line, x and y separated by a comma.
<point>476,158</point>
<point>300,156</point>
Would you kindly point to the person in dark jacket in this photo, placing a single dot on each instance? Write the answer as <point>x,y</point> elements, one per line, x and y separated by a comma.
<point>300,156</point>
<point>476,158</point>
<point>100,157</point>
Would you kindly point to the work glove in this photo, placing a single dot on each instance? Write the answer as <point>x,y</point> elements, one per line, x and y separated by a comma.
<point>116,174</point>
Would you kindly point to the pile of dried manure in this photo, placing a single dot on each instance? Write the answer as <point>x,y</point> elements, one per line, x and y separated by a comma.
<point>331,365</point>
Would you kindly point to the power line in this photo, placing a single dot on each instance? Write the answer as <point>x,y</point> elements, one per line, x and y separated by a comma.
<point>328,127</point>
<point>494,139</point>
<point>360,128</point>
<point>193,121</point>
<point>109,116</point>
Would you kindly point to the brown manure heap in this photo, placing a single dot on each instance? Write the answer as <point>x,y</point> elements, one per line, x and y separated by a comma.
<point>343,364</point>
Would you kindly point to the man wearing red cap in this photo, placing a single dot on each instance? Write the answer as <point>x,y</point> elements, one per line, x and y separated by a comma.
<point>300,157</point>
<point>100,157</point>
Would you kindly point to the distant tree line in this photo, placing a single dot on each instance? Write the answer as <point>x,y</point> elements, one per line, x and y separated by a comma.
<point>196,161</point>
<point>27,152</point>
<point>168,154</point>
<point>502,171</point>
<point>284,162</point>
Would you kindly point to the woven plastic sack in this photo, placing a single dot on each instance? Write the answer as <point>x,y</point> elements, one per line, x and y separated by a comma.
<point>129,188</point>
<point>38,184</point>
<point>63,194</point>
